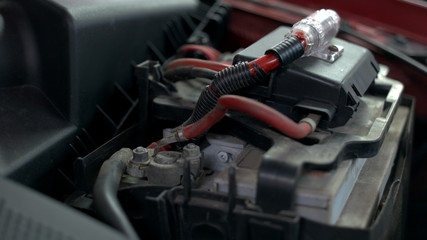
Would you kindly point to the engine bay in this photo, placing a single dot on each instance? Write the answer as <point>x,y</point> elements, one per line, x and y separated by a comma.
<point>141,128</point>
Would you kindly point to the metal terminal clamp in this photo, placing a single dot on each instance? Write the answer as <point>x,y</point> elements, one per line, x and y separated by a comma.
<point>139,163</point>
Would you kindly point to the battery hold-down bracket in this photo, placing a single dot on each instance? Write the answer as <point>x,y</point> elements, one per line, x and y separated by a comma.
<point>361,137</point>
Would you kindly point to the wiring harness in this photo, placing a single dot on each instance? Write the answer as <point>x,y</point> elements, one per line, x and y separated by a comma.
<point>307,37</point>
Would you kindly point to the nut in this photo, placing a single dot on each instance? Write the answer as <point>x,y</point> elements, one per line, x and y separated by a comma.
<point>140,155</point>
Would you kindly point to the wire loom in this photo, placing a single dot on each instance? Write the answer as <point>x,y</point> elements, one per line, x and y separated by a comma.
<point>245,74</point>
<point>226,81</point>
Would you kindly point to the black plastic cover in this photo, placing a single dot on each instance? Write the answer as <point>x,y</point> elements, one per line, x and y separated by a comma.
<point>49,220</point>
<point>75,51</point>
<point>63,61</point>
<point>33,134</point>
<point>311,84</point>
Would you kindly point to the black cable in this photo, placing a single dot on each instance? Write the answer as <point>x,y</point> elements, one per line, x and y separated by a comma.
<point>105,192</point>
<point>226,81</point>
<point>188,72</point>
<point>240,75</point>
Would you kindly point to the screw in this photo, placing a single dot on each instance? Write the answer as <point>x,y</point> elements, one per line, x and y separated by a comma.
<point>140,154</point>
<point>333,48</point>
<point>223,157</point>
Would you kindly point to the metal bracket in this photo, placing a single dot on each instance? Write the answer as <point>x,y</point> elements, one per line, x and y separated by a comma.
<point>330,54</point>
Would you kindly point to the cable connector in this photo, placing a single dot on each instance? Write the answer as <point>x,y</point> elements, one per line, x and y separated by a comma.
<point>312,120</point>
<point>173,137</point>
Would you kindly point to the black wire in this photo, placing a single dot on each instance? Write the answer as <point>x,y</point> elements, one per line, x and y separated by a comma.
<point>188,72</point>
<point>105,193</point>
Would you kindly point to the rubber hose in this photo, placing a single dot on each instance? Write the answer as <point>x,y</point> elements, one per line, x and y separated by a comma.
<point>105,192</point>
